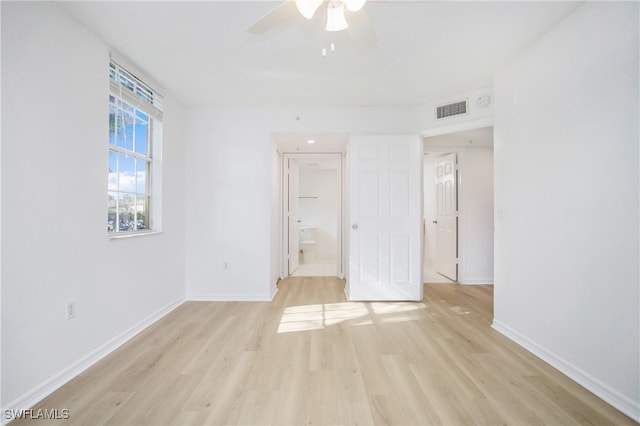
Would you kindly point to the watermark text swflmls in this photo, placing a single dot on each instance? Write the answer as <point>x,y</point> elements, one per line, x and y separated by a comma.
<point>37,414</point>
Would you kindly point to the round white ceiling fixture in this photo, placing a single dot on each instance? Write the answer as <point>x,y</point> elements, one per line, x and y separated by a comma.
<point>483,101</point>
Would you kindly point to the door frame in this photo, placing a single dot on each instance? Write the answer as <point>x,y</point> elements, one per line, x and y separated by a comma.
<point>292,181</point>
<point>460,240</point>
<point>459,154</point>
<point>284,253</point>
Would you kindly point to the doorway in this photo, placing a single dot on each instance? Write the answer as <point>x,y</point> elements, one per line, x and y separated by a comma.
<point>441,220</point>
<point>474,207</point>
<point>312,214</point>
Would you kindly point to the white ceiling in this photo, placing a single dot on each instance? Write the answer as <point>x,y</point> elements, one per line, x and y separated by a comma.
<point>425,50</point>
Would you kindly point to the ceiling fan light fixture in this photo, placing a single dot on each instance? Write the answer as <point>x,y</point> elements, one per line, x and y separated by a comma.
<point>354,5</point>
<point>335,17</point>
<point>307,8</point>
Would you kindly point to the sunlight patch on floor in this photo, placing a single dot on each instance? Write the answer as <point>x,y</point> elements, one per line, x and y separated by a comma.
<point>398,311</point>
<point>317,317</point>
<point>320,316</point>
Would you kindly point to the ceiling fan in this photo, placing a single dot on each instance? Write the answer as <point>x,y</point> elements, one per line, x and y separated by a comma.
<point>335,15</point>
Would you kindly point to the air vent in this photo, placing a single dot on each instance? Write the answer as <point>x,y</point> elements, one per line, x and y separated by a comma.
<point>450,110</point>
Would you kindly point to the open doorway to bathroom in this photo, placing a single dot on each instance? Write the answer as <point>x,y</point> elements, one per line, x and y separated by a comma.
<point>313,212</point>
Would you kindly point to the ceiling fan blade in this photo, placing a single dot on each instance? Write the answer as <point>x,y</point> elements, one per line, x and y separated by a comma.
<point>360,30</point>
<point>274,18</point>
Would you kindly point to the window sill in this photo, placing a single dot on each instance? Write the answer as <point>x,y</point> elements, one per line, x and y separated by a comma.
<point>133,235</point>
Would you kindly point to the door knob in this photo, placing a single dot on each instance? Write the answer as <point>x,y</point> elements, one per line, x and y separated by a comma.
<point>354,226</point>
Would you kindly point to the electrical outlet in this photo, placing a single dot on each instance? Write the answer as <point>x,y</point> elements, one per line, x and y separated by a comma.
<point>226,265</point>
<point>71,309</point>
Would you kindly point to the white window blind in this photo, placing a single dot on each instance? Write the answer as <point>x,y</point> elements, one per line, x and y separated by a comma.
<point>134,91</point>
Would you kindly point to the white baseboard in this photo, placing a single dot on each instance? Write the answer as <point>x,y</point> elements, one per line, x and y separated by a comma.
<point>38,393</point>
<point>229,297</point>
<point>613,397</point>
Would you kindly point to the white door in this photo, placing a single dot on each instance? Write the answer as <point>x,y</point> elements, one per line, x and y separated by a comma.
<point>292,215</point>
<point>447,217</point>
<point>385,261</point>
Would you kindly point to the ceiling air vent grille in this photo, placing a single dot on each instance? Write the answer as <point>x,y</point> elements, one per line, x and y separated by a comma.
<point>450,110</point>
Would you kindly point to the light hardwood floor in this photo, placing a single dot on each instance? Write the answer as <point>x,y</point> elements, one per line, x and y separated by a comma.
<point>309,357</point>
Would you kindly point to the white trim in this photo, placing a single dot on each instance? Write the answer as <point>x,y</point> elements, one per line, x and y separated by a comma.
<point>153,192</point>
<point>458,127</point>
<point>229,297</point>
<point>616,399</point>
<point>284,252</point>
<point>340,225</point>
<point>132,234</point>
<point>38,393</point>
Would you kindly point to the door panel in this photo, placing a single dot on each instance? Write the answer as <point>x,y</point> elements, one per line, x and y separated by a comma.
<point>400,255</point>
<point>370,259</point>
<point>369,194</point>
<point>399,194</point>
<point>385,217</point>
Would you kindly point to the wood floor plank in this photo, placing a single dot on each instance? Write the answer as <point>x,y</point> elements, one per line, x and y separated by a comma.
<point>352,401</point>
<point>414,404</point>
<point>311,357</point>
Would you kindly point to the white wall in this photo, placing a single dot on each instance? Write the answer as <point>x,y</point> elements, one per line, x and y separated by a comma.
<point>54,173</point>
<point>567,200</point>
<point>321,211</point>
<point>229,207</point>
<point>477,193</point>
<point>229,189</point>
<point>229,213</point>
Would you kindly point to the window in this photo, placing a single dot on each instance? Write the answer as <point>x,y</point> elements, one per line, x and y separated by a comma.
<point>135,121</point>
